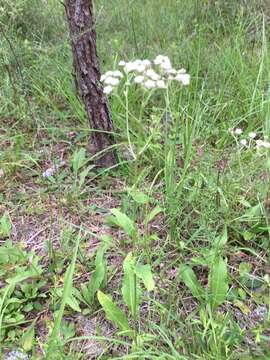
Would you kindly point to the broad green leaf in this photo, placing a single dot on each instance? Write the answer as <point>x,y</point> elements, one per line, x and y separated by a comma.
<point>218,282</point>
<point>67,291</point>
<point>113,313</point>
<point>138,196</point>
<point>28,338</point>
<point>221,240</point>
<point>85,173</point>
<point>157,210</point>
<point>242,306</point>
<point>130,289</point>
<point>253,212</point>
<point>123,221</point>
<point>5,226</point>
<point>189,278</point>
<point>78,160</point>
<point>73,303</point>
<point>144,273</point>
<point>99,274</point>
<point>245,268</point>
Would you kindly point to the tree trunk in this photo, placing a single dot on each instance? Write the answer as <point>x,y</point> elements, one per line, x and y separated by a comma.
<point>83,43</point>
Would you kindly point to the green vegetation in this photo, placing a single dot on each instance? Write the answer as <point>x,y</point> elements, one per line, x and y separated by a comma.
<point>166,256</point>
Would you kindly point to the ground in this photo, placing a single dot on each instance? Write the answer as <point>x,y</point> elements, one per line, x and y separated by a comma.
<point>178,232</point>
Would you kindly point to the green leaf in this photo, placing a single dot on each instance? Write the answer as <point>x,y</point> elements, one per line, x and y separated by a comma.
<point>5,226</point>
<point>254,212</point>
<point>78,160</point>
<point>73,303</point>
<point>138,196</point>
<point>218,282</point>
<point>83,175</point>
<point>144,273</point>
<point>113,313</point>
<point>157,210</point>
<point>122,220</point>
<point>221,240</point>
<point>99,274</point>
<point>130,289</point>
<point>67,291</point>
<point>189,278</point>
<point>28,338</point>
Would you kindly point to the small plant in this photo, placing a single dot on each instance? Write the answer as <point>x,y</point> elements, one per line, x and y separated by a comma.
<point>218,282</point>
<point>5,226</point>
<point>80,171</point>
<point>134,274</point>
<point>99,277</point>
<point>24,289</point>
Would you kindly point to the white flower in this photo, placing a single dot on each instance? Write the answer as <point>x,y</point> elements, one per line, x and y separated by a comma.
<point>160,59</point>
<point>252,135</point>
<point>231,131</point>
<point>108,89</point>
<point>150,84</point>
<point>261,143</point>
<point>118,74</point>
<point>140,68</point>
<point>183,78</point>
<point>122,63</point>
<point>166,65</point>
<point>161,84</point>
<point>172,72</point>
<point>152,74</point>
<point>238,131</point>
<point>111,81</point>
<point>243,142</point>
<point>139,79</point>
<point>130,66</point>
<point>103,77</point>
<point>181,71</point>
<point>146,63</point>
<point>115,81</point>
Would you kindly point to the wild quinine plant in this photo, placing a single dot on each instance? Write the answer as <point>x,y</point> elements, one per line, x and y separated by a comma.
<point>251,140</point>
<point>150,75</point>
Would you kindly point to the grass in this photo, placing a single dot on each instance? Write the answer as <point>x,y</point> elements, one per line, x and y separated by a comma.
<point>187,207</point>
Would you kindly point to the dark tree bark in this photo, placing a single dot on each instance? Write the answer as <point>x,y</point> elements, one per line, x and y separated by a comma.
<point>83,42</point>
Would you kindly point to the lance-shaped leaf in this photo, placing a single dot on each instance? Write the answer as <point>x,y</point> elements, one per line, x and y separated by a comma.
<point>130,289</point>
<point>113,313</point>
<point>153,213</point>
<point>189,278</point>
<point>99,274</point>
<point>122,220</point>
<point>144,273</point>
<point>218,282</point>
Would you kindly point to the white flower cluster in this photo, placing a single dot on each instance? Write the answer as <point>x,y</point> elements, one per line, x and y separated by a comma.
<point>151,75</point>
<point>110,80</point>
<point>252,136</point>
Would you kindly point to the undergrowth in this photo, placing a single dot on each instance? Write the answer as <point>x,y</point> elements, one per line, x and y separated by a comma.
<point>166,256</point>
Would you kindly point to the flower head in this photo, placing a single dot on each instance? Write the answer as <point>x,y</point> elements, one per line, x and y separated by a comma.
<point>108,89</point>
<point>243,142</point>
<point>238,131</point>
<point>139,79</point>
<point>152,74</point>
<point>149,84</point>
<point>122,63</point>
<point>161,84</point>
<point>183,78</point>
<point>252,135</point>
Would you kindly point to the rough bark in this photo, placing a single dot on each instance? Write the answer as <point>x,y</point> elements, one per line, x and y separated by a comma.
<point>83,42</point>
